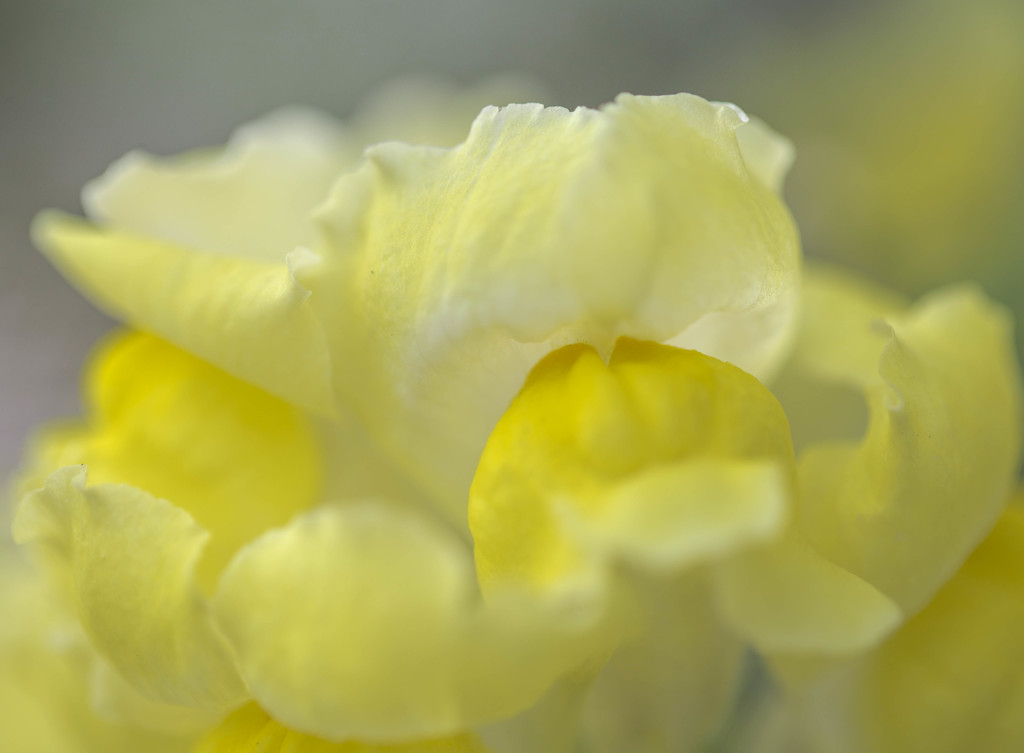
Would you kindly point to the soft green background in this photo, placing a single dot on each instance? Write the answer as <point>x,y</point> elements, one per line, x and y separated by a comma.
<point>908,117</point>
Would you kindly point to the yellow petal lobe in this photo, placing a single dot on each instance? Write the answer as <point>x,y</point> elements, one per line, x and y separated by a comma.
<point>952,678</point>
<point>662,457</point>
<point>250,730</point>
<point>236,459</point>
<point>128,561</point>
<point>364,622</point>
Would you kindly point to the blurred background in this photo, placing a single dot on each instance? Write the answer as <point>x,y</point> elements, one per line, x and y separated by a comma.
<point>907,115</point>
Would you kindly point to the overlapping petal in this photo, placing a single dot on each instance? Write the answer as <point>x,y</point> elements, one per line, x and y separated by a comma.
<point>662,457</point>
<point>445,275</point>
<point>950,680</point>
<point>363,622</point>
<point>894,515</point>
<point>643,472</point>
<point>195,249</point>
<point>128,560</point>
<point>238,460</point>
<point>44,685</point>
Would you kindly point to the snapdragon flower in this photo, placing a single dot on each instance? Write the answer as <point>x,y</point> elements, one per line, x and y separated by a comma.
<point>488,447</point>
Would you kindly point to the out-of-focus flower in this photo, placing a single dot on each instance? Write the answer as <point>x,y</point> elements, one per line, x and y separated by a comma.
<point>908,115</point>
<point>558,338</point>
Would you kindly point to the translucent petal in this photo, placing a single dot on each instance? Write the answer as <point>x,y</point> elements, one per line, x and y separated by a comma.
<point>950,680</point>
<point>250,730</point>
<point>363,622</point>
<point>128,560</point>
<point>248,316</point>
<point>238,460</point>
<point>883,523</point>
<point>905,507</point>
<point>44,685</point>
<point>446,274</point>
<point>252,199</point>
<point>662,457</point>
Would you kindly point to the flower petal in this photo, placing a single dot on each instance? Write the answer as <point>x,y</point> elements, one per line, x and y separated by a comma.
<point>884,523</point>
<point>446,274</point>
<point>44,693</point>
<point>905,507</point>
<point>250,730</point>
<point>247,316</point>
<point>238,460</point>
<point>952,679</point>
<point>128,560</point>
<point>252,200</point>
<point>363,622</point>
<point>663,458</point>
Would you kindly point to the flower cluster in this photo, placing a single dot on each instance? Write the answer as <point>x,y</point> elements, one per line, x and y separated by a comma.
<point>541,442</point>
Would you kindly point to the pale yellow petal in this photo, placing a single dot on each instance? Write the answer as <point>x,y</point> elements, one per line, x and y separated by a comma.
<point>786,597</point>
<point>249,317</point>
<point>883,523</point>
<point>238,460</point>
<point>952,679</point>
<point>250,730</point>
<point>363,622</point>
<point>905,507</point>
<point>445,275</point>
<point>128,560</point>
<point>44,677</point>
<point>252,199</point>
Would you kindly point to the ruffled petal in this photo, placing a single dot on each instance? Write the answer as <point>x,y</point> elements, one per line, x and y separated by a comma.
<point>445,275</point>
<point>363,622</point>
<point>888,520</point>
<point>251,200</point>
<point>128,561</point>
<point>195,249</point>
<point>905,507</point>
<point>238,460</point>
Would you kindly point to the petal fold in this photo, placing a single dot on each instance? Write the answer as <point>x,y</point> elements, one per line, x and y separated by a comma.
<point>247,316</point>
<point>128,561</point>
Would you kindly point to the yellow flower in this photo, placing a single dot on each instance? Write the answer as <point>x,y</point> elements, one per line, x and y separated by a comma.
<point>574,338</point>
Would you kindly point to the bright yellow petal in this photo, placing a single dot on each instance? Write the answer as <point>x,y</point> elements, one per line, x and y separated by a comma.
<point>238,460</point>
<point>44,682</point>
<point>364,622</point>
<point>250,730</point>
<point>447,274</point>
<point>952,679</point>
<point>905,507</point>
<point>663,458</point>
<point>128,561</point>
<point>247,316</point>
